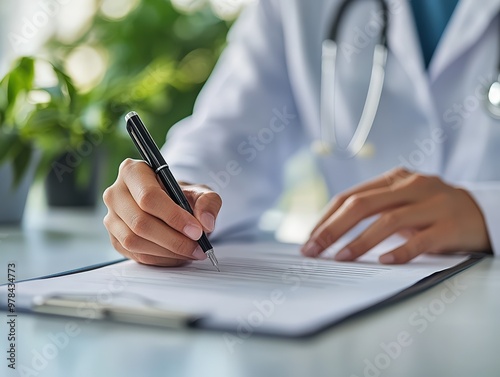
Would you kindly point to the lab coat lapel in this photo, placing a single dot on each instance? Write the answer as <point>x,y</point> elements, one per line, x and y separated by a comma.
<point>404,45</point>
<point>468,23</point>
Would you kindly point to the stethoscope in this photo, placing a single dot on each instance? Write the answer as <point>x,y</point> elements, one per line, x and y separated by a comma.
<point>328,143</point>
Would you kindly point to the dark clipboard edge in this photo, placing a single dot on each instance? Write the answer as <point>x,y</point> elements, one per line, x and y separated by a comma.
<point>420,286</point>
<point>70,272</point>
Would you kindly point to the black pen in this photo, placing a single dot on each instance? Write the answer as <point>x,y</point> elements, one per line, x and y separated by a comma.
<point>153,157</point>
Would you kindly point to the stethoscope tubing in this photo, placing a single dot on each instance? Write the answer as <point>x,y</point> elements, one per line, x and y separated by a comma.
<point>328,143</point>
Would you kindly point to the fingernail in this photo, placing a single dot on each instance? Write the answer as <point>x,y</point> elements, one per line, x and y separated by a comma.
<point>199,254</point>
<point>387,259</point>
<point>192,232</point>
<point>208,221</point>
<point>343,255</point>
<point>311,249</point>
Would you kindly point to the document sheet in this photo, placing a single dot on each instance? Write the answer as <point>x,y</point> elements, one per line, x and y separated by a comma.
<point>265,288</point>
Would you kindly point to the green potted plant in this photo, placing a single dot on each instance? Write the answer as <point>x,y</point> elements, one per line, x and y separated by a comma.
<point>67,131</point>
<point>45,128</point>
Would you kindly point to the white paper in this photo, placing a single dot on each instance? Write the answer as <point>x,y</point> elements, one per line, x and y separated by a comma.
<point>261,287</point>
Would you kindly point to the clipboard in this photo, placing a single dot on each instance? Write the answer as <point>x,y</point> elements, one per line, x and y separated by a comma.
<point>67,305</point>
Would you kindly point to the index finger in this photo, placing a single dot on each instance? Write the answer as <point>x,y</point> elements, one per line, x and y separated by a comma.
<point>382,181</point>
<point>358,208</point>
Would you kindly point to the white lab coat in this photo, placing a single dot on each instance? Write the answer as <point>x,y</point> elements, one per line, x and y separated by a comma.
<point>267,86</point>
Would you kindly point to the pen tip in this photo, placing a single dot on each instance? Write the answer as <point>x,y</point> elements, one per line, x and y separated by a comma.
<point>213,259</point>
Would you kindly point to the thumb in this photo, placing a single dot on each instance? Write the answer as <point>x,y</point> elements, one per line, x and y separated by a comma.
<point>206,204</point>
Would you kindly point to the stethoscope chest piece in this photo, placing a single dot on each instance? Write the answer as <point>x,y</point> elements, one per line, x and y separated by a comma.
<point>493,102</point>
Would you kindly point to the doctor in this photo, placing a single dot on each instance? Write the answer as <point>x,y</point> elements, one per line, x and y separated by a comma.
<point>429,167</point>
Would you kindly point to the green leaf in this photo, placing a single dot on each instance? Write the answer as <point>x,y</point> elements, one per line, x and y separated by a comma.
<point>21,163</point>
<point>14,86</point>
<point>66,83</point>
<point>7,141</point>
<point>26,69</point>
<point>21,78</point>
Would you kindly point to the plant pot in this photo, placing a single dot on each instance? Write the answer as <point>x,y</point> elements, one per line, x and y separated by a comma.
<point>13,199</point>
<point>61,186</point>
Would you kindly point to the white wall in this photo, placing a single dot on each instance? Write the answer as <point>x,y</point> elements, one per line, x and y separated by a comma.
<point>26,24</point>
<point>4,27</point>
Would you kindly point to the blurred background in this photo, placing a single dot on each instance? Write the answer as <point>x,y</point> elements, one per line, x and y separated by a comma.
<point>71,69</point>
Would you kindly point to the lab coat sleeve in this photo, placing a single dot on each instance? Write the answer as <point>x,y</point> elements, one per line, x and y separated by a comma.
<point>244,125</point>
<point>487,197</point>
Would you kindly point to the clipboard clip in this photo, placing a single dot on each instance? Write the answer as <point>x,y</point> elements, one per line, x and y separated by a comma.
<point>78,307</point>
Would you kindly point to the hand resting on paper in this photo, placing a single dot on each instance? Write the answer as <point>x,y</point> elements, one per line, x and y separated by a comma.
<point>434,217</point>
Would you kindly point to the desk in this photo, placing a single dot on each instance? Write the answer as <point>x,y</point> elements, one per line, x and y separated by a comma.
<point>463,340</point>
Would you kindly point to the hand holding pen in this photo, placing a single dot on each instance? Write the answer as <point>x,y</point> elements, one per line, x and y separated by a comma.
<point>145,224</point>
